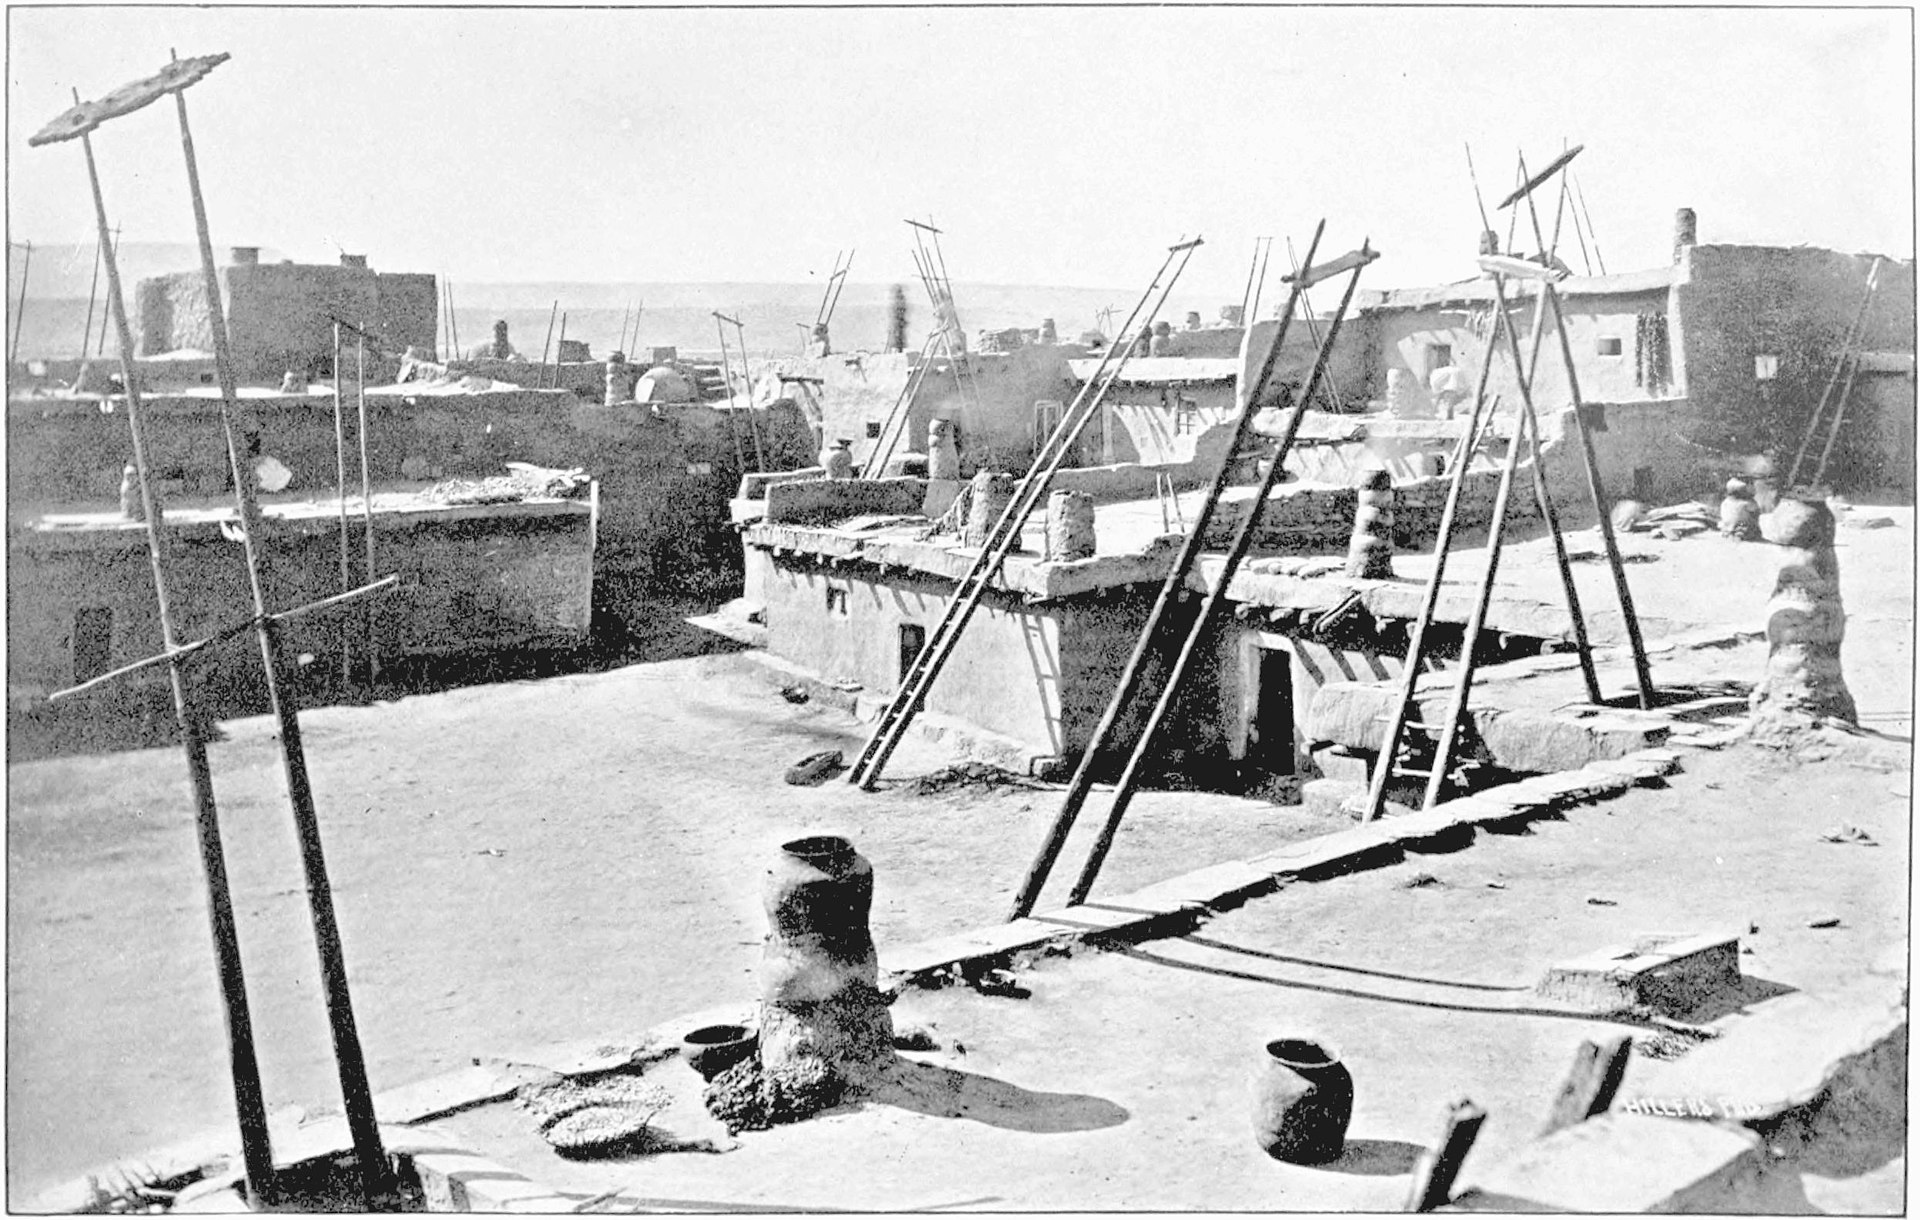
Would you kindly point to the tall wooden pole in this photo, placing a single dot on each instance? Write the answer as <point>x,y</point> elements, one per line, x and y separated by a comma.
<point>366,500</point>
<point>340,492</point>
<point>249,1105</point>
<point>20,310</point>
<point>356,1096</point>
<point>1124,788</point>
<point>93,291</point>
<point>115,247</point>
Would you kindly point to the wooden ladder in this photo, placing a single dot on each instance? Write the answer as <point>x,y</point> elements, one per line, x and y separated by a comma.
<point>1001,539</point>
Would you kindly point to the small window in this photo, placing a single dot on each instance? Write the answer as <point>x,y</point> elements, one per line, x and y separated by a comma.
<point>1439,356</point>
<point>92,642</point>
<point>1609,347</point>
<point>913,638</point>
<point>873,429</point>
<point>837,595</point>
<point>1766,366</point>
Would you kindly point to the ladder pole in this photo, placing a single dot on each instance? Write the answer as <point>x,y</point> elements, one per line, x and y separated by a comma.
<point>1849,356</point>
<point>1839,413</point>
<point>733,425</point>
<point>1171,590</point>
<point>1242,542</point>
<point>1416,645</point>
<point>340,493</point>
<point>242,1060</point>
<point>1000,539</point>
<point>20,310</point>
<point>366,500</point>
<point>1457,704</point>
<point>93,292</point>
<point>1643,676</point>
<point>376,1180</point>
<point>1543,495</point>
<point>1260,285</point>
<point>899,417</point>
<point>746,386</point>
<point>1846,345</point>
<point>1583,646</point>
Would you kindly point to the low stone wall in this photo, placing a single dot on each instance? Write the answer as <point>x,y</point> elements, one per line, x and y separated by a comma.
<point>1303,519</point>
<point>825,501</point>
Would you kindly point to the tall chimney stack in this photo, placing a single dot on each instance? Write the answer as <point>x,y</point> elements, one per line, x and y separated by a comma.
<point>1685,225</point>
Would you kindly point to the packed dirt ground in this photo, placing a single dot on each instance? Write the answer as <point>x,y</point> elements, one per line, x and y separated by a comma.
<point>536,860</point>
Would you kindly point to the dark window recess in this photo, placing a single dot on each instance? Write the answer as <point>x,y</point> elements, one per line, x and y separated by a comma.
<point>913,638</point>
<point>1643,484</point>
<point>1610,347</point>
<point>873,429</point>
<point>92,642</point>
<point>836,599</point>
<point>206,379</point>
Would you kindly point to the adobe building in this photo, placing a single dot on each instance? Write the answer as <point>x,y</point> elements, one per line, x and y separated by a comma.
<point>280,315</point>
<point>1724,352</point>
<point>850,577</point>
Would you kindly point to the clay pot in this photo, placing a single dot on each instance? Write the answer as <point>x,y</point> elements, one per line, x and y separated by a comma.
<point>1302,1102</point>
<point>817,895</point>
<point>712,1049</point>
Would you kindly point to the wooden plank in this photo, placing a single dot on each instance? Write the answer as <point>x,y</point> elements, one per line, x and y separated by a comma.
<point>1591,1083</point>
<point>1440,1165</point>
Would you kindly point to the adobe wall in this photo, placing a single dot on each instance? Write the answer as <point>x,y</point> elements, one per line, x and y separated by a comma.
<point>1738,302</point>
<point>1312,664</point>
<point>465,586</point>
<point>1005,674</point>
<point>1403,338</point>
<point>280,315</point>
<point>1305,519</point>
<point>994,410</point>
<point>1346,382</point>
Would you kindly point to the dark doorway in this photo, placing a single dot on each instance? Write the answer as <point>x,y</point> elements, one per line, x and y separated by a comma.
<point>913,638</point>
<point>92,642</point>
<point>1270,728</point>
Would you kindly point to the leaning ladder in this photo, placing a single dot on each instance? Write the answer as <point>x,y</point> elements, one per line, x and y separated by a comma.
<point>1148,644</point>
<point>1527,433</point>
<point>1849,361</point>
<point>1001,539</point>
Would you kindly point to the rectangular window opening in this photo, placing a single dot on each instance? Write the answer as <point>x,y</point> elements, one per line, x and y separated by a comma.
<point>1766,366</point>
<point>1610,347</point>
<point>913,639</point>
<point>837,596</point>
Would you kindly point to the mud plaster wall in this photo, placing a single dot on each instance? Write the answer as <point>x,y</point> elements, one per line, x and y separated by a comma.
<point>1301,519</point>
<point>280,316</point>
<point>1004,675</point>
<point>466,586</point>
<point>1403,338</point>
<point>1345,384</point>
<point>1738,302</point>
<point>994,411</point>
<point>1041,674</point>
<point>1312,664</point>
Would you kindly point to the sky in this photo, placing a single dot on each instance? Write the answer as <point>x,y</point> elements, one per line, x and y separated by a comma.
<point>1054,145</point>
